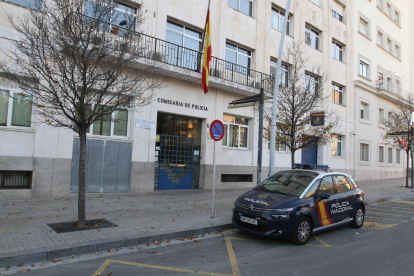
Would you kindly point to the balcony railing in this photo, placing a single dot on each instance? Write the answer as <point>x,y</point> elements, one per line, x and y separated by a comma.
<point>382,84</point>
<point>166,52</point>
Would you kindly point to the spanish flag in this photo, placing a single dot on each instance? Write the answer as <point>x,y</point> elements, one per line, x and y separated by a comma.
<point>207,55</point>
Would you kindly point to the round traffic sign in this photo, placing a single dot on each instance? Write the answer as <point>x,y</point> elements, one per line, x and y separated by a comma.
<point>217,130</point>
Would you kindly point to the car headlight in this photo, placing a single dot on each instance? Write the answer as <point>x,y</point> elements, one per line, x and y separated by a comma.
<point>280,217</point>
<point>284,210</point>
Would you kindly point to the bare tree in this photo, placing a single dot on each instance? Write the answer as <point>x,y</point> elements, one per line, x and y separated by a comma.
<point>300,95</point>
<point>79,68</point>
<point>399,122</point>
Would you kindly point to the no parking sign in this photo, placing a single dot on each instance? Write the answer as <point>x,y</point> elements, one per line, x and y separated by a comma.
<point>217,130</point>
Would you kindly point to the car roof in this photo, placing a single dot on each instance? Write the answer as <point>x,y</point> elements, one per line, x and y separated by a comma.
<point>321,173</point>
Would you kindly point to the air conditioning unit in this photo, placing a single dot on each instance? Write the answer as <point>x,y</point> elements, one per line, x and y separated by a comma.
<point>308,40</point>
<point>97,40</point>
<point>123,46</point>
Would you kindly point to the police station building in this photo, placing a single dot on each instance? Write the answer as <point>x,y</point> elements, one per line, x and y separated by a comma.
<point>166,144</point>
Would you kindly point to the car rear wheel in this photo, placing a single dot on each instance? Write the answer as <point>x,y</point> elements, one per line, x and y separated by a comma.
<point>359,217</point>
<point>302,232</point>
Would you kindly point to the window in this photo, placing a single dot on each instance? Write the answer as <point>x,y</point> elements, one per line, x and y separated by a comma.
<point>336,145</point>
<point>338,11</point>
<point>27,3</point>
<point>316,2</point>
<point>389,83</point>
<point>239,56</point>
<point>245,6</point>
<point>388,45</point>
<point>311,84</point>
<point>364,111</point>
<point>236,178</point>
<point>113,124</point>
<point>380,39</point>
<point>388,9</point>
<point>121,15</point>
<point>380,4</point>
<point>277,20</point>
<point>15,180</point>
<point>397,51</point>
<point>364,152</point>
<point>390,155</point>
<point>363,69</point>
<point>327,186</point>
<point>236,132</point>
<point>180,35</point>
<point>381,116</point>
<point>397,17</point>
<point>398,157</point>
<point>342,184</point>
<point>390,117</point>
<point>281,140</point>
<point>381,154</point>
<point>337,94</point>
<point>380,81</point>
<point>337,51</point>
<point>284,73</point>
<point>312,190</point>
<point>312,37</point>
<point>15,108</point>
<point>398,86</point>
<point>363,27</point>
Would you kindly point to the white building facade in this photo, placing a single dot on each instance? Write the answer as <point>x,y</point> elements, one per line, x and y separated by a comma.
<point>166,144</point>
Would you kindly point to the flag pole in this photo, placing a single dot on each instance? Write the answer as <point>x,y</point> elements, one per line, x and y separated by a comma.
<point>204,35</point>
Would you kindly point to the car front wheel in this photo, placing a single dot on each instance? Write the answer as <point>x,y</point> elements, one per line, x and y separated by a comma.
<point>302,232</point>
<point>359,217</point>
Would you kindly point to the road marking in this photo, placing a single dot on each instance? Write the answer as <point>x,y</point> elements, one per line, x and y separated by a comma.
<point>376,217</point>
<point>382,209</point>
<point>389,214</point>
<point>323,243</point>
<point>109,261</point>
<point>406,202</point>
<point>232,257</point>
<point>395,206</point>
<point>377,225</point>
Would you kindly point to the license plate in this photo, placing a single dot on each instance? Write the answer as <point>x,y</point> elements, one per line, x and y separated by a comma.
<point>248,220</point>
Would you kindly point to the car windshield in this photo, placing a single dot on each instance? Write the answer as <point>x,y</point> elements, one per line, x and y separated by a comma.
<point>291,183</point>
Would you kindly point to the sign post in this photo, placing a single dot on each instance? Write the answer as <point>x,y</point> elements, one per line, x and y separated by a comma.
<point>217,133</point>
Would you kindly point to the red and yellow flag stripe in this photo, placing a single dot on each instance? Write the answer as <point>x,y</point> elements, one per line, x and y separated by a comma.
<point>207,55</point>
<point>324,218</point>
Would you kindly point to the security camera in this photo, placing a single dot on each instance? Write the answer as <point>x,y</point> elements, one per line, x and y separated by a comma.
<point>353,133</point>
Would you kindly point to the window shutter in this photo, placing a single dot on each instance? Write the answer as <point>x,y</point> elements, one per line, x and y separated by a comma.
<point>338,8</point>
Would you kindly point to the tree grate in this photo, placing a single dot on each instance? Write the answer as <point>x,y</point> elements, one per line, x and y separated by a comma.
<point>72,226</point>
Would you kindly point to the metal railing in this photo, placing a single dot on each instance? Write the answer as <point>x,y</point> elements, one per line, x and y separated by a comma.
<point>389,87</point>
<point>166,52</point>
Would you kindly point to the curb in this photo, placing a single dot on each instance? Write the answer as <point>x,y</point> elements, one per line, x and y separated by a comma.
<point>44,254</point>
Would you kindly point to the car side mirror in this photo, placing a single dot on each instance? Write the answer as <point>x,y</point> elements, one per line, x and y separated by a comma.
<point>325,196</point>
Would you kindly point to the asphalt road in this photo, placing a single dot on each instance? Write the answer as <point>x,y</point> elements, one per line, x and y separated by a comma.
<point>384,246</point>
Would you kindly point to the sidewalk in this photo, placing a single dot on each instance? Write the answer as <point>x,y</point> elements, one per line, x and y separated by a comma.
<point>25,237</point>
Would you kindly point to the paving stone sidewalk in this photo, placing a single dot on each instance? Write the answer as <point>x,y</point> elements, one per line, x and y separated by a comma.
<point>23,223</point>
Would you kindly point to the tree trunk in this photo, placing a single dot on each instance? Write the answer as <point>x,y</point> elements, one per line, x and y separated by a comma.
<point>292,159</point>
<point>408,160</point>
<point>82,179</point>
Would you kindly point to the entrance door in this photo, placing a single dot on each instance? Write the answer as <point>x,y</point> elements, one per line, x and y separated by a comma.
<point>310,152</point>
<point>176,160</point>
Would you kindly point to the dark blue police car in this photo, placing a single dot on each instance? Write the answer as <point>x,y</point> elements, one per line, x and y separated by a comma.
<point>293,204</point>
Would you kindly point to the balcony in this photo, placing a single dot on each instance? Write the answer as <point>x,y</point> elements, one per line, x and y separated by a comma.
<point>392,88</point>
<point>184,63</point>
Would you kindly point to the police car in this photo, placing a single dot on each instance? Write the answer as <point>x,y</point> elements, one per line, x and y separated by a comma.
<point>293,204</point>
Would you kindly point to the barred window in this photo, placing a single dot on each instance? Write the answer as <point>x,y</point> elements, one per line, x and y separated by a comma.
<point>15,180</point>
<point>364,152</point>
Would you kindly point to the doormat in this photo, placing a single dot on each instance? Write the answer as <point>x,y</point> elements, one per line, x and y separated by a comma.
<point>72,226</point>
